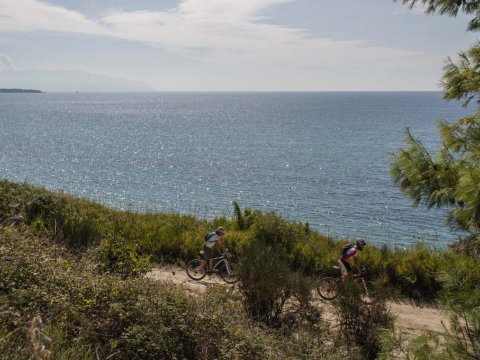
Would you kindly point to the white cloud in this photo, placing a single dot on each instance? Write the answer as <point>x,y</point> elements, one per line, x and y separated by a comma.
<point>219,32</point>
<point>33,15</point>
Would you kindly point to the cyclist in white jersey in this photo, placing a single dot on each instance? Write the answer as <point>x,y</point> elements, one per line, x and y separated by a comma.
<point>213,240</point>
<point>351,253</point>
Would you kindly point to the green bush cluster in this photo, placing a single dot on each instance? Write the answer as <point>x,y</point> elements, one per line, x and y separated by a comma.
<point>87,315</point>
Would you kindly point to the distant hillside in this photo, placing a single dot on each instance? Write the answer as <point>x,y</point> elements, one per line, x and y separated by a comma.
<point>69,81</point>
<point>19,91</point>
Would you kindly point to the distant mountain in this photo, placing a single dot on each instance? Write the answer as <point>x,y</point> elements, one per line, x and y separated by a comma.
<point>69,81</point>
<point>19,91</point>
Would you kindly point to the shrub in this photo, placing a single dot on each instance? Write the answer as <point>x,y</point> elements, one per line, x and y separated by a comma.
<point>121,258</point>
<point>362,324</point>
<point>415,271</point>
<point>267,279</point>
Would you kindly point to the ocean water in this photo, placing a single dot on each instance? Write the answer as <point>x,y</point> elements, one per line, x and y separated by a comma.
<point>320,158</point>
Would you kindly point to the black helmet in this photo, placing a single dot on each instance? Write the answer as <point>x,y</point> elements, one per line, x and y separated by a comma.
<point>361,243</point>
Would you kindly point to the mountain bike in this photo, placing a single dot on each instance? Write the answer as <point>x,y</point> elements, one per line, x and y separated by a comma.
<point>223,266</point>
<point>329,287</point>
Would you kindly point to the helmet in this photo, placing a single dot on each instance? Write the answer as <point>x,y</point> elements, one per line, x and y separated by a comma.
<point>220,230</point>
<point>361,243</point>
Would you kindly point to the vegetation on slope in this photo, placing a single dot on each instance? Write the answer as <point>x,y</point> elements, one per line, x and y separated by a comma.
<point>70,285</point>
<point>55,304</point>
<point>81,224</point>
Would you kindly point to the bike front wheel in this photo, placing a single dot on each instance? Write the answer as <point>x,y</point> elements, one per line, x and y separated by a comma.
<point>192,269</point>
<point>227,272</point>
<point>328,288</point>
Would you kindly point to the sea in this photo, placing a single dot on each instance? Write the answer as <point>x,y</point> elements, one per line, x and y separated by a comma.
<point>320,158</point>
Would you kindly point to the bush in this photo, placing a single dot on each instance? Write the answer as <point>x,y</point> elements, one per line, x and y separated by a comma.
<point>267,280</point>
<point>121,258</point>
<point>362,324</point>
<point>414,272</point>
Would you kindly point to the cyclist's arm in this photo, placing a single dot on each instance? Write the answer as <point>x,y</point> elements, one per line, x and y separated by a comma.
<point>219,243</point>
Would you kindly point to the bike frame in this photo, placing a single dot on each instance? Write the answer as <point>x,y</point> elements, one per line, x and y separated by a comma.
<point>358,278</point>
<point>218,261</point>
<point>220,264</point>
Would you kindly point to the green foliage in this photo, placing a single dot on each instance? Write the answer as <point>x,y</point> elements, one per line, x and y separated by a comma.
<point>83,225</point>
<point>361,324</point>
<point>268,278</point>
<point>427,346</point>
<point>244,220</point>
<point>117,256</point>
<point>414,272</point>
<point>89,316</point>
<point>461,80</point>
<point>239,216</point>
<point>450,179</point>
<point>461,296</point>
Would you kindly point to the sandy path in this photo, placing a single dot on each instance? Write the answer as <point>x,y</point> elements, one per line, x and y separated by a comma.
<point>409,318</point>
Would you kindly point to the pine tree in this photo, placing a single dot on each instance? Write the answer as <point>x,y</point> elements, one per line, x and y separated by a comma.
<point>451,7</point>
<point>451,177</point>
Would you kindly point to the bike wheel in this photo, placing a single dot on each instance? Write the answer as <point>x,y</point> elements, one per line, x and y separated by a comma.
<point>192,271</point>
<point>227,273</point>
<point>328,288</point>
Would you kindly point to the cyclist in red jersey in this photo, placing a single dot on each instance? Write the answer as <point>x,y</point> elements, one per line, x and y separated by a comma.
<point>350,252</point>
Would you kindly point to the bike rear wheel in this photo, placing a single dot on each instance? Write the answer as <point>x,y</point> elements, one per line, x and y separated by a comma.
<point>192,271</point>
<point>328,288</point>
<point>227,273</point>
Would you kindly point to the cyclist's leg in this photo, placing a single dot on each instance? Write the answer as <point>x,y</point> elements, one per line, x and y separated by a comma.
<point>346,270</point>
<point>207,254</point>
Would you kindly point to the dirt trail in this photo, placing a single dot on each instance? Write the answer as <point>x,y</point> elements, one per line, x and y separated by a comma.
<point>409,318</point>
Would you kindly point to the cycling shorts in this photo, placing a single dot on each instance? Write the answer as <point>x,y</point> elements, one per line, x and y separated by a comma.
<point>344,266</point>
<point>207,252</point>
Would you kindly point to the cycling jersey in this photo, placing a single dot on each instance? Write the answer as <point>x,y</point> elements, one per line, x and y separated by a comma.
<point>212,240</point>
<point>348,253</point>
<point>345,267</point>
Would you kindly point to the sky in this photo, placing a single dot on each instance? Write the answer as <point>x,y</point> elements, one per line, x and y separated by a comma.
<point>235,45</point>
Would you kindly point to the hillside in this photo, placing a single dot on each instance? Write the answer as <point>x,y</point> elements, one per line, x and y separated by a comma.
<point>78,267</point>
<point>28,91</point>
<point>69,81</point>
